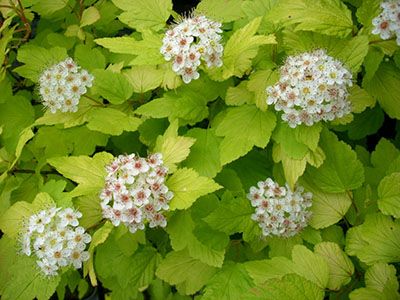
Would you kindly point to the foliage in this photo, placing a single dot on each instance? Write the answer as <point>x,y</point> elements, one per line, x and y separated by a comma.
<point>218,137</point>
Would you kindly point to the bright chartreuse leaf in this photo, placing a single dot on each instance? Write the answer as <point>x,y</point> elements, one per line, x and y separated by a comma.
<point>187,186</point>
<point>291,286</point>
<point>310,266</point>
<point>368,10</point>
<point>111,121</point>
<point>389,195</point>
<point>173,147</point>
<point>88,172</point>
<point>89,206</point>
<point>47,8</point>
<point>360,99</point>
<point>36,59</point>
<point>204,156</point>
<point>341,170</point>
<point>385,87</point>
<point>381,284</point>
<point>258,82</point>
<point>239,95</point>
<point>240,49</point>
<point>182,228</point>
<point>89,16</point>
<point>145,14</point>
<point>330,17</point>
<point>224,11</point>
<point>112,86</point>
<point>187,273</point>
<point>372,62</point>
<point>89,58</point>
<point>144,78</point>
<point>242,128</point>
<point>376,240</point>
<point>327,208</point>
<point>340,266</point>
<point>230,282</point>
<point>263,270</point>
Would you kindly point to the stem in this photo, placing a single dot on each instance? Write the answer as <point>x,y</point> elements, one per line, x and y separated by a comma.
<point>6,6</point>
<point>95,101</point>
<point>24,20</point>
<point>379,41</point>
<point>27,171</point>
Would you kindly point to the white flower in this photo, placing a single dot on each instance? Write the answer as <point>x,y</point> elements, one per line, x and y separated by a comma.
<point>310,85</point>
<point>62,85</point>
<point>53,236</point>
<point>192,40</point>
<point>134,193</point>
<point>387,23</point>
<point>280,211</point>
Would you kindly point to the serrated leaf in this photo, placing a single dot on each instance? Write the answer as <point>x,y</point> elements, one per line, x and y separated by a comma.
<point>385,87</point>
<point>376,240</point>
<point>111,121</point>
<point>360,99</point>
<point>114,87</point>
<point>258,83</point>
<point>145,14</point>
<point>389,195</point>
<point>144,78</point>
<point>240,49</point>
<point>340,266</point>
<point>231,282</point>
<point>341,170</point>
<point>174,148</point>
<point>224,11</point>
<point>189,274</point>
<point>204,155</point>
<point>88,172</point>
<point>47,8</point>
<point>89,58</point>
<point>263,270</point>
<point>188,186</point>
<point>89,16</point>
<point>329,17</point>
<point>242,128</point>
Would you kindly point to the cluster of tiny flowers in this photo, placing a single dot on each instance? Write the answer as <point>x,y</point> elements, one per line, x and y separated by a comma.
<point>312,88</point>
<point>192,40</point>
<point>135,193</point>
<point>387,24</point>
<point>279,210</point>
<point>54,236</point>
<point>62,85</point>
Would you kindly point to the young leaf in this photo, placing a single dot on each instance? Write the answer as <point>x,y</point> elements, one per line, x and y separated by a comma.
<point>188,186</point>
<point>389,195</point>
<point>144,78</point>
<point>89,16</point>
<point>224,11</point>
<point>114,87</point>
<point>242,128</point>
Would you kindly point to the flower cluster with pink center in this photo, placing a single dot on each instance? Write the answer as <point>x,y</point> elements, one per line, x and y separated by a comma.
<point>191,41</point>
<point>54,236</point>
<point>387,23</point>
<point>135,192</point>
<point>312,88</point>
<point>62,85</point>
<point>279,210</point>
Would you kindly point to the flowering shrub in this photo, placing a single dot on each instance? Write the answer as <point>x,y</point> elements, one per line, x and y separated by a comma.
<point>229,149</point>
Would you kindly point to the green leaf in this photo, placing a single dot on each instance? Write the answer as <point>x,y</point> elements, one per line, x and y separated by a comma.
<point>37,59</point>
<point>239,95</point>
<point>90,208</point>
<point>330,17</point>
<point>224,11</point>
<point>89,16</point>
<point>144,78</point>
<point>389,195</point>
<point>182,228</point>
<point>368,10</point>
<point>376,240</point>
<point>240,49</point>
<point>188,186</point>
<point>341,170</point>
<point>242,128</point>
<point>89,58</point>
<point>263,270</point>
<point>231,282</point>
<point>385,87</point>
<point>291,286</point>
<point>88,172</point>
<point>47,8</point>
<point>145,14</point>
<point>111,121</point>
<point>381,282</point>
<point>114,87</point>
<point>174,148</point>
<point>258,83</point>
<point>340,266</point>
<point>189,274</point>
<point>360,99</point>
<point>204,154</point>
<point>327,208</point>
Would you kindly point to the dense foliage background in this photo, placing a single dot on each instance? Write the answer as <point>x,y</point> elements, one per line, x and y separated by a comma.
<point>218,138</point>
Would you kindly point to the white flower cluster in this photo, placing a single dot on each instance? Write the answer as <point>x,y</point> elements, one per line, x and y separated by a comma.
<point>135,192</point>
<point>279,210</point>
<point>54,236</point>
<point>62,85</point>
<point>387,24</point>
<point>312,87</point>
<point>190,41</point>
